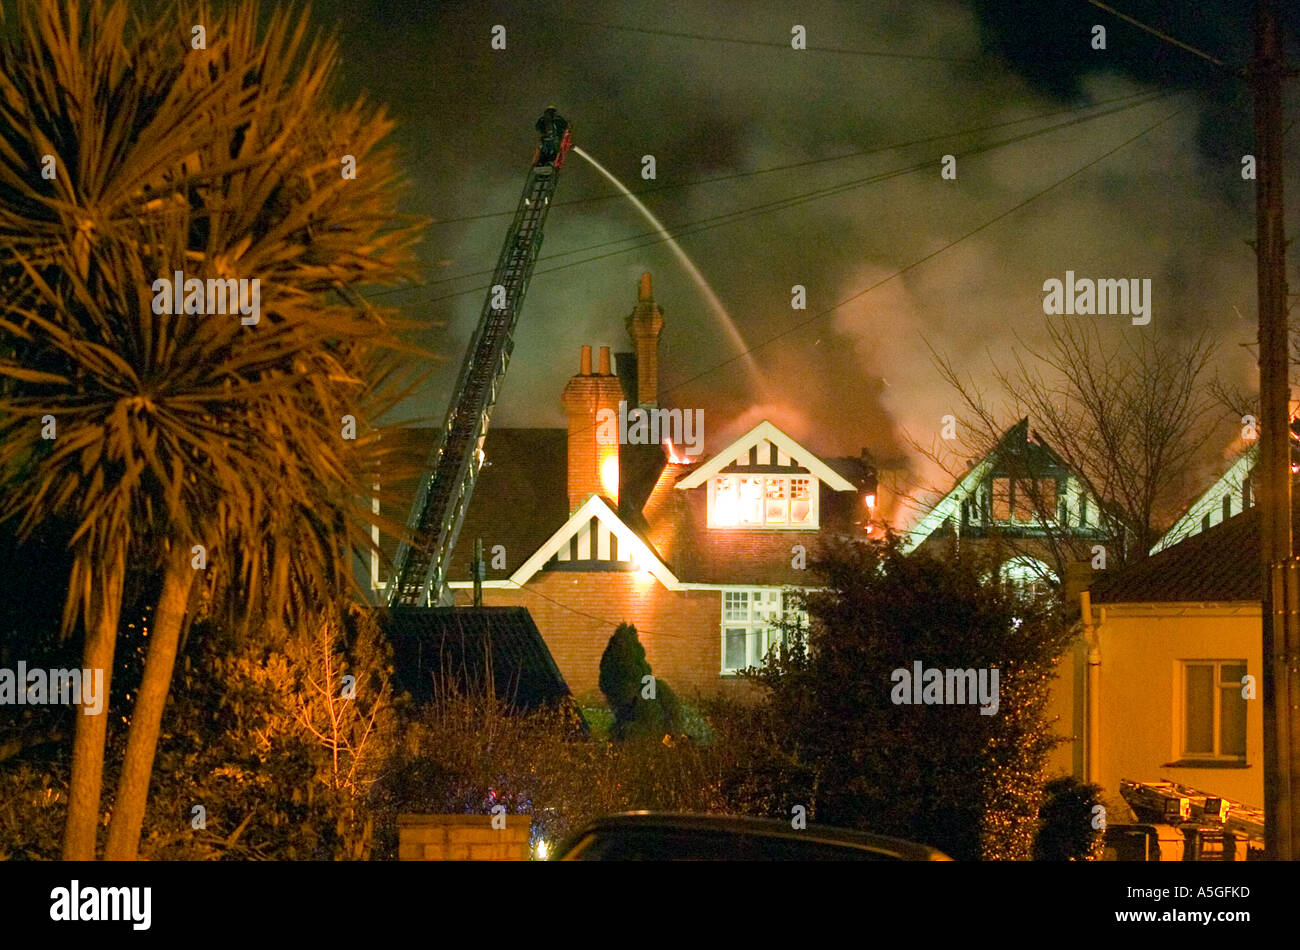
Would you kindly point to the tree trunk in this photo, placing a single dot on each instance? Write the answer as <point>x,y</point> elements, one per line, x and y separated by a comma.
<point>87,779</point>
<point>146,719</point>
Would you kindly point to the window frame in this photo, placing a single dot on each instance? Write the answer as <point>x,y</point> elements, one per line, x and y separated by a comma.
<point>787,481</point>
<point>762,624</point>
<point>1218,687</point>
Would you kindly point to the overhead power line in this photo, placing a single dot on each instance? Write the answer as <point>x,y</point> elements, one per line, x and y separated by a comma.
<point>780,44</point>
<point>933,254</point>
<point>1147,93</point>
<point>688,228</point>
<point>1159,34</point>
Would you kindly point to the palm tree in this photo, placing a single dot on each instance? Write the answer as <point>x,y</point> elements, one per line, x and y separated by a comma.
<point>189,444</point>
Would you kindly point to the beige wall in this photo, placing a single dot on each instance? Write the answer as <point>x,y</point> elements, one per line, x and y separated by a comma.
<point>1066,712</point>
<point>1141,646</point>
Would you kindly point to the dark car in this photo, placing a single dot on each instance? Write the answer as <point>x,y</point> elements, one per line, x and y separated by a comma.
<point>647,836</point>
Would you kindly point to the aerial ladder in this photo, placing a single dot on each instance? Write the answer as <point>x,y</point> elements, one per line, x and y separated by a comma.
<point>419,573</point>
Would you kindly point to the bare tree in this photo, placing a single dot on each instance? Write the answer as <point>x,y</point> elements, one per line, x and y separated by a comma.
<point>1130,420</point>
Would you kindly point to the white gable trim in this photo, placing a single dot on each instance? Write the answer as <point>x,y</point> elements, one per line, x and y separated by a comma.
<point>787,449</point>
<point>947,506</point>
<point>1211,501</point>
<point>595,507</point>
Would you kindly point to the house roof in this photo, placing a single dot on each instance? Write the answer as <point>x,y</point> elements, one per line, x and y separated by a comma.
<point>521,503</point>
<point>755,439</point>
<point>1229,485</point>
<point>599,509</point>
<point>1019,448</point>
<point>520,497</point>
<point>1220,565</point>
<point>460,645</point>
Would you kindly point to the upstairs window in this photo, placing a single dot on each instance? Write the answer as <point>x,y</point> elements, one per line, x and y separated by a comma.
<point>763,501</point>
<point>1002,499</point>
<point>1020,501</point>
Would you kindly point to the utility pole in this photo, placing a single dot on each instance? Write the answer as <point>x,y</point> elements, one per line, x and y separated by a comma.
<point>1281,640</point>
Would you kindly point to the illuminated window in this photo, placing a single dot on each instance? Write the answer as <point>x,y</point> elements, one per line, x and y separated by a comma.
<point>757,501</point>
<point>803,507</point>
<point>1214,711</point>
<point>1023,503</point>
<point>778,505</point>
<point>1028,575</point>
<point>751,624</point>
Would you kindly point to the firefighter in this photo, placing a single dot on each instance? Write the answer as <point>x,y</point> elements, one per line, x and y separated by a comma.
<point>551,126</point>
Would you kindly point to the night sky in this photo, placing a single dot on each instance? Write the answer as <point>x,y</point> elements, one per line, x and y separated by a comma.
<point>1170,206</point>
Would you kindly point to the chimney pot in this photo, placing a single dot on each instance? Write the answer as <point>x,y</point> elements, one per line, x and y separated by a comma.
<point>644,325</point>
<point>604,361</point>
<point>585,369</point>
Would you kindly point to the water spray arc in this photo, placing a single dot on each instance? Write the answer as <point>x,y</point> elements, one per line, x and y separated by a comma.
<point>710,297</point>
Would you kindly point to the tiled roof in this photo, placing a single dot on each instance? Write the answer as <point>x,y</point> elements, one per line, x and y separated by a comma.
<point>1220,565</point>
<point>441,645</point>
<point>521,499</point>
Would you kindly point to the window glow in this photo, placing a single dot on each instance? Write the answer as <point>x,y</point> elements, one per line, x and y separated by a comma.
<point>609,474</point>
<point>762,500</point>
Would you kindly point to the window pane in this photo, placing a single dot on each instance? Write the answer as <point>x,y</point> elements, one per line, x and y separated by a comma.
<point>1047,496</point>
<point>751,501</point>
<point>735,655</point>
<point>1001,499</point>
<point>800,500</point>
<point>726,500</point>
<point>1024,502</point>
<point>737,605</point>
<point>776,501</point>
<point>1232,721</point>
<point>1199,695</point>
<point>1231,674</point>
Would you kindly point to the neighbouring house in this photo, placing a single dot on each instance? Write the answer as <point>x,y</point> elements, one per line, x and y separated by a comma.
<point>1020,508</point>
<point>699,551</point>
<point>1231,493</point>
<point>1170,668</point>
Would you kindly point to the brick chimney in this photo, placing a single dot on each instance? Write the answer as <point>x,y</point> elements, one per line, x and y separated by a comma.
<point>644,325</point>
<point>593,447</point>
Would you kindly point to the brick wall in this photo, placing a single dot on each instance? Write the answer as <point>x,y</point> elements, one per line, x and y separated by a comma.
<point>462,838</point>
<point>680,630</point>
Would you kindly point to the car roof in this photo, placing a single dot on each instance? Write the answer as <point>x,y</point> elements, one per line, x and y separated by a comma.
<point>763,827</point>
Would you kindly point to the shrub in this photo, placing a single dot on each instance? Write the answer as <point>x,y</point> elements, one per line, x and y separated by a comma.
<point>623,679</point>
<point>1066,831</point>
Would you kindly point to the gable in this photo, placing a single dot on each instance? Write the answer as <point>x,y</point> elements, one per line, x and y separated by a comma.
<point>1020,456</point>
<point>946,507</point>
<point>765,448</point>
<point>1229,484</point>
<point>595,538</point>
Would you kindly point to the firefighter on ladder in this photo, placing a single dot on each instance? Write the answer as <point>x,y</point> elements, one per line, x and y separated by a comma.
<point>555,138</point>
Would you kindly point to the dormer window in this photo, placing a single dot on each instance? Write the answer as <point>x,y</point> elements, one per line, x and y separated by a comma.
<point>762,501</point>
<point>1014,501</point>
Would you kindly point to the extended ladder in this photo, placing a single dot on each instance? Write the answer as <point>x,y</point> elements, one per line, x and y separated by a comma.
<point>420,568</point>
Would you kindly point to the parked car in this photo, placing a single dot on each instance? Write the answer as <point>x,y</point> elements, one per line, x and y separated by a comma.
<point>649,836</point>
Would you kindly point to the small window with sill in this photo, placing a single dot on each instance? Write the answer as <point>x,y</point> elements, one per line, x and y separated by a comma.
<point>1214,710</point>
<point>763,501</point>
